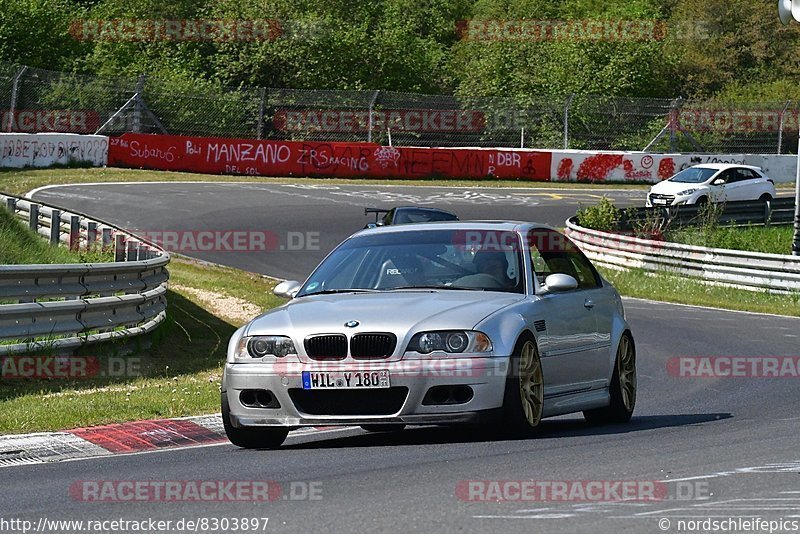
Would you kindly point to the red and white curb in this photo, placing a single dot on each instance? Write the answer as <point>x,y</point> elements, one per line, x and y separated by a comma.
<point>122,438</point>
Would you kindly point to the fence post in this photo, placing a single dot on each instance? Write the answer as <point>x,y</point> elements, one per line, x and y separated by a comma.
<point>136,127</point>
<point>371,106</point>
<point>14,96</point>
<point>567,104</point>
<point>673,123</point>
<point>261,95</point>
<point>522,137</point>
<point>780,125</point>
<point>55,227</point>
<point>11,205</point>
<point>33,217</point>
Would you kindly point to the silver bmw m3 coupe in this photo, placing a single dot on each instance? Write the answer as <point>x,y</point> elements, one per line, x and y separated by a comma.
<point>495,323</point>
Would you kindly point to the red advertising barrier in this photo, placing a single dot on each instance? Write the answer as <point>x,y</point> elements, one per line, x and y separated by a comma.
<point>295,158</point>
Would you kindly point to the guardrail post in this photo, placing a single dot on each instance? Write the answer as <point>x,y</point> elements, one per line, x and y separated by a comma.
<point>107,239</point>
<point>11,204</point>
<point>119,247</point>
<point>33,217</point>
<point>132,251</point>
<point>91,235</point>
<point>767,212</point>
<point>55,227</point>
<point>74,232</point>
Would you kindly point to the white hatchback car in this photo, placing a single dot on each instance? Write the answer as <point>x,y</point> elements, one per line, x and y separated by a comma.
<point>712,182</point>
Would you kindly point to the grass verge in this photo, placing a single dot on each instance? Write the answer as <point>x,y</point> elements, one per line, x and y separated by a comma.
<point>178,375</point>
<point>770,239</point>
<point>666,287</point>
<point>20,245</point>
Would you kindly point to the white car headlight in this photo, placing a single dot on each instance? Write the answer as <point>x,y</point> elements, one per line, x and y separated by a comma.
<point>261,346</point>
<point>450,341</point>
<point>686,192</point>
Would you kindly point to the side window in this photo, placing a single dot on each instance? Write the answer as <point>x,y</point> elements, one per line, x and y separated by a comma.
<point>746,174</point>
<point>729,176</point>
<point>552,252</point>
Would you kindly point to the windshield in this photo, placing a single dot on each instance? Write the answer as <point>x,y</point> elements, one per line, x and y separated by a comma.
<point>440,259</point>
<point>694,175</point>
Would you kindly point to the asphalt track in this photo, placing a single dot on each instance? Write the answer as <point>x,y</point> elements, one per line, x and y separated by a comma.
<point>722,447</point>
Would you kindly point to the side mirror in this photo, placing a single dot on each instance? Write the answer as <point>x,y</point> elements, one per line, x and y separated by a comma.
<point>558,282</point>
<point>287,289</point>
<point>718,181</point>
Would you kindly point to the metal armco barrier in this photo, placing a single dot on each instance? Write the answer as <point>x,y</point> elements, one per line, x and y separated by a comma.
<point>54,307</point>
<point>748,212</point>
<point>746,270</point>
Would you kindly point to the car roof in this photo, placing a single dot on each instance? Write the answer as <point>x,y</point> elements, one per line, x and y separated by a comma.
<point>724,166</point>
<point>503,226</point>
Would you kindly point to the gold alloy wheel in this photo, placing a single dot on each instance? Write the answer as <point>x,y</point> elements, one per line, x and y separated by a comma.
<point>531,383</point>
<point>626,370</point>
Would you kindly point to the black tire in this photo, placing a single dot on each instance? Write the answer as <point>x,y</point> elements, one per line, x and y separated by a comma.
<point>382,427</point>
<point>524,394</point>
<point>701,201</point>
<point>261,437</point>
<point>766,197</point>
<point>622,392</point>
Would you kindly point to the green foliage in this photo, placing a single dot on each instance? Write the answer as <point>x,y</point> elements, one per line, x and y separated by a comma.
<point>603,216</point>
<point>733,50</point>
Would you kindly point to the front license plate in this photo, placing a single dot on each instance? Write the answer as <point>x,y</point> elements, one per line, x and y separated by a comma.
<point>659,201</point>
<point>346,379</point>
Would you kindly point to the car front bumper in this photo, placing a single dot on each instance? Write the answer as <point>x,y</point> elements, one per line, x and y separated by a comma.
<point>410,382</point>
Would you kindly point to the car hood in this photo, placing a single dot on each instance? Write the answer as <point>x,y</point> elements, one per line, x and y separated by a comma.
<point>673,188</point>
<point>400,312</point>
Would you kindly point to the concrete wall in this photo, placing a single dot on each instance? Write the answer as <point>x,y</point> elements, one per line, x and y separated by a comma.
<point>46,149</point>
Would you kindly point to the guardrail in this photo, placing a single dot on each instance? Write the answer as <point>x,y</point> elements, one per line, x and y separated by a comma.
<point>758,212</point>
<point>64,306</point>
<point>743,269</point>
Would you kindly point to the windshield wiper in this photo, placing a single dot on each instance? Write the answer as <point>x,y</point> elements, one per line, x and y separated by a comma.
<point>332,291</point>
<point>436,287</point>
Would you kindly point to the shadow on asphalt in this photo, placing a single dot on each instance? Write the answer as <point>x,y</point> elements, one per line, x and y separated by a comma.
<point>554,428</point>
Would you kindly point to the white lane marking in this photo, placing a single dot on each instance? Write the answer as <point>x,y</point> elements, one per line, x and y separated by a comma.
<point>539,516</point>
<point>278,181</point>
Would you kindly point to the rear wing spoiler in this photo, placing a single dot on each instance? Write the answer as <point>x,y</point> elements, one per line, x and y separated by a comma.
<point>377,211</point>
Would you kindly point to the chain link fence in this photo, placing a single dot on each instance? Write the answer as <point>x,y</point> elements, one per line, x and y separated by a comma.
<point>37,100</point>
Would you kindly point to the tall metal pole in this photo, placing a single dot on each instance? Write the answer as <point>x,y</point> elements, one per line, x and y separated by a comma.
<point>796,240</point>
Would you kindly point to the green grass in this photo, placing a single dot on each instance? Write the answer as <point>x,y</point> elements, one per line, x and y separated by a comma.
<point>179,375</point>
<point>771,240</point>
<point>19,245</point>
<point>671,288</point>
<point>19,181</point>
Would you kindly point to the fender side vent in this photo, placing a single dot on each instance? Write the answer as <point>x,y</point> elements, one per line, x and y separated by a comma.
<point>540,325</point>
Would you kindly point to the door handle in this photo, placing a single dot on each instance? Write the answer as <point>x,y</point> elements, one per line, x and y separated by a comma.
<point>588,304</point>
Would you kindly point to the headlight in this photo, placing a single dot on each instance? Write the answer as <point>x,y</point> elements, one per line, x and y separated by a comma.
<point>451,341</point>
<point>261,346</point>
<point>686,192</point>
